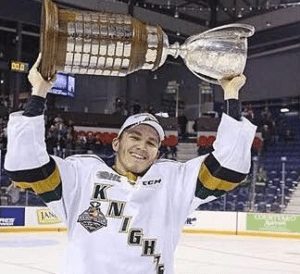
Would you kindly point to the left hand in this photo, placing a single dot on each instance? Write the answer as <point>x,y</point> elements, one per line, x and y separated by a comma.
<point>232,86</point>
<point>40,86</point>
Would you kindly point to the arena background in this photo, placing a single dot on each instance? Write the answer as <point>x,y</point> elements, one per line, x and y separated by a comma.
<point>267,204</point>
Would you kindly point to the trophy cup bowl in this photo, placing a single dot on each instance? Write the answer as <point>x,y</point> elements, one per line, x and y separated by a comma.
<point>110,44</point>
<point>217,53</point>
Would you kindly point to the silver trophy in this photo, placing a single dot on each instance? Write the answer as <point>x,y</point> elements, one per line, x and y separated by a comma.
<point>101,43</point>
<point>215,54</point>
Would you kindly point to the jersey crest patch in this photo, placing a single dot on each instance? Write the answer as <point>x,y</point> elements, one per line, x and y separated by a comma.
<point>92,219</point>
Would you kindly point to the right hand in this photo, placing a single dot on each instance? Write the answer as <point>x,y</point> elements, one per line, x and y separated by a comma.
<point>232,86</point>
<point>40,86</point>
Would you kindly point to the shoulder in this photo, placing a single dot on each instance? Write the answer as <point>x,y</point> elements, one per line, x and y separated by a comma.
<point>167,165</point>
<point>174,163</point>
<point>167,162</point>
<point>85,158</point>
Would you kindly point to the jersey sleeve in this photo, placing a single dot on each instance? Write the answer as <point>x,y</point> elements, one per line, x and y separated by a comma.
<point>205,178</point>
<point>229,163</point>
<point>29,166</point>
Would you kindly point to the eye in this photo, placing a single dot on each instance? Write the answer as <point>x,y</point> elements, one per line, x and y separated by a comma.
<point>134,137</point>
<point>152,144</point>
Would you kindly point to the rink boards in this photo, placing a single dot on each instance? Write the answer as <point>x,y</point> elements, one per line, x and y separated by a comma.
<point>25,219</point>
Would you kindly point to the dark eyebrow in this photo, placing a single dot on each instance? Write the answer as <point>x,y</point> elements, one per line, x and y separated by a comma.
<point>133,131</point>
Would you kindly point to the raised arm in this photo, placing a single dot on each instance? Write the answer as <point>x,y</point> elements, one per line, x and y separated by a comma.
<point>27,162</point>
<point>229,163</point>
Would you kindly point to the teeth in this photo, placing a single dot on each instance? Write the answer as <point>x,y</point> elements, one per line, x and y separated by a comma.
<point>138,156</point>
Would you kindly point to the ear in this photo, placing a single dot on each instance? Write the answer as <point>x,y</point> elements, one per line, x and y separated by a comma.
<point>115,144</point>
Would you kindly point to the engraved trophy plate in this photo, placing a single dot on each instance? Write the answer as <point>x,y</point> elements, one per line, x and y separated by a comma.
<point>118,62</point>
<point>102,43</point>
<point>95,49</point>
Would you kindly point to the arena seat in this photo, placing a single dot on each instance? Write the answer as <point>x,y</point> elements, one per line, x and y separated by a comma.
<point>261,207</point>
<point>240,206</point>
<point>105,138</point>
<point>202,141</point>
<point>112,136</point>
<point>210,140</point>
<point>171,141</point>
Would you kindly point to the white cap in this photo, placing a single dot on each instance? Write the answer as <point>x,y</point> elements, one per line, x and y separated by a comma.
<point>146,119</point>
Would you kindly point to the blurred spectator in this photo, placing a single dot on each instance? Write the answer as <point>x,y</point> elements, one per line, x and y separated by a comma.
<point>275,132</point>
<point>173,152</point>
<point>51,139</point>
<point>281,128</point>
<point>70,127</point>
<point>195,126</point>
<point>5,199</point>
<point>289,136</point>
<point>98,146</point>
<point>90,142</point>
<point>266,115</point>
<point>80,144</point>
<point>3,137</point>
<point>150,109</point>
<point>4,109</point>
<point>14,193</point>
<point>69,144</point>
<point>266,134</point>
<point>136,107</point>
<point>248,112</point>
<point>182,122</point>
<point>164,151</point>
<point>120,107</point>
<point>261,176</point>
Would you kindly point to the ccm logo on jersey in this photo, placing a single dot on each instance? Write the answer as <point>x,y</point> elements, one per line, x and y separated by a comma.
<point>151,182</point>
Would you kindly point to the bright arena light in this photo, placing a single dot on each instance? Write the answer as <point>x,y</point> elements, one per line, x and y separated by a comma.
<point>284,110</point>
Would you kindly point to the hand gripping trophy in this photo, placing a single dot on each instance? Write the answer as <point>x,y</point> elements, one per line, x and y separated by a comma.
<point>100,43</point>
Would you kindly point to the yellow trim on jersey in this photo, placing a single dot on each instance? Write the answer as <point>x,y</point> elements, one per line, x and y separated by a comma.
<point>130,176</point>
<point>211,182</point>
<point>42,186</point>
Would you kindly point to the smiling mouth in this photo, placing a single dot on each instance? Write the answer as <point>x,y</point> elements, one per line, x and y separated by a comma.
<point>138,156</point>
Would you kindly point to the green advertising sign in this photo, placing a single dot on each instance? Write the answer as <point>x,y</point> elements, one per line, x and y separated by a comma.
<point>273,222</point>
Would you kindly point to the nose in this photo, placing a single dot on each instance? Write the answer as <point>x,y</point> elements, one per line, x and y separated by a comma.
<point>142,145</point>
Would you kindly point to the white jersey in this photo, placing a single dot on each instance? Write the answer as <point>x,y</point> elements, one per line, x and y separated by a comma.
<point>115,227</point>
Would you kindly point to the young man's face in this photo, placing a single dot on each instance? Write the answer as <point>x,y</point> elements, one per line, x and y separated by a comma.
<point>137,149</point>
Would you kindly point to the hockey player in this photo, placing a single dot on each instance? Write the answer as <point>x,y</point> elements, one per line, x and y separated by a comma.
<point>126,218</point>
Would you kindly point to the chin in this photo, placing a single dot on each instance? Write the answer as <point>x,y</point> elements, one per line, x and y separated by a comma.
<point>139,170</point>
